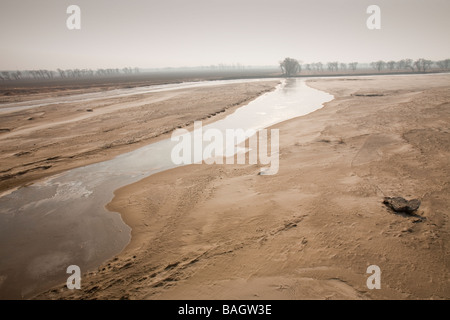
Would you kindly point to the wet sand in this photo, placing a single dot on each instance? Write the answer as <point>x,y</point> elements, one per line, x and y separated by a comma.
<point>43,141</point>
<point>311,231</point>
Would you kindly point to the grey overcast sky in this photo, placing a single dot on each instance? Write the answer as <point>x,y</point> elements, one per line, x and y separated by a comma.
<point>175,33</point>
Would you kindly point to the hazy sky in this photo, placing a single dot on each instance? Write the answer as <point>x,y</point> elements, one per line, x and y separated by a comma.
<point>138,33</point>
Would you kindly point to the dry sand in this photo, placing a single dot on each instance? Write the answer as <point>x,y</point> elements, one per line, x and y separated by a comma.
<point>311,231</point>
<point>43,141</point>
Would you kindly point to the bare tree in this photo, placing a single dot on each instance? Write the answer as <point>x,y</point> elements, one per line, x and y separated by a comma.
<point>417,65</point>
<point>61,72</point>
<point>343,66</point>
<point>443,64</point>
<point>330,66</point>
<point>422,64</point>
<point>319,66</point>
<point>446,63</point>
<point>16,75</point>
<point>130,70</point>
<point>48,73</point>
<point>409,64</point>
<point>5,75</point>
<point>333,66</point>
<point>290,67</point>
<point>378,65</point>
<point>336,66</point>
<point>404,64</point>
<point>353,65</point>
<point>391,65</point>
<point>400,65</point>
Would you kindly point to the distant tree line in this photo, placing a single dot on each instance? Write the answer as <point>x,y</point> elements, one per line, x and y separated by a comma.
<point>290,67</point>
<point>223,66</point>
<point>66,73</point>
<point>419,65</point>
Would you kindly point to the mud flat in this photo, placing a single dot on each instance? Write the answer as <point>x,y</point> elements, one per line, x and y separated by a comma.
<point>49,139</point>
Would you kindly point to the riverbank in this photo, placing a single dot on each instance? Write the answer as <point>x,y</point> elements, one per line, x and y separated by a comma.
<point>43,141</point>
<point>311,231</point>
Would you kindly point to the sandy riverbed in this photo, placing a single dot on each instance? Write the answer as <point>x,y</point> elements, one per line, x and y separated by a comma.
<point>311,231</point>
<point>43,141</point>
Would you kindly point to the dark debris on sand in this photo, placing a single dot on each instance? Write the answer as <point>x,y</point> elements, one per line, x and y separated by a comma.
<point>401,205</point>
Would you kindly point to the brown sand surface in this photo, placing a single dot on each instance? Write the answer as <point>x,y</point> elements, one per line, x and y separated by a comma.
<point>310,231</point>
<point>46,140</point>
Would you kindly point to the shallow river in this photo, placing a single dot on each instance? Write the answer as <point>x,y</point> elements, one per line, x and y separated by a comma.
<point>62,221</point>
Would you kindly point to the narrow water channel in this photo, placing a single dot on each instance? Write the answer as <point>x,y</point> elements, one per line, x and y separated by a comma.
<point>62,221</point>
